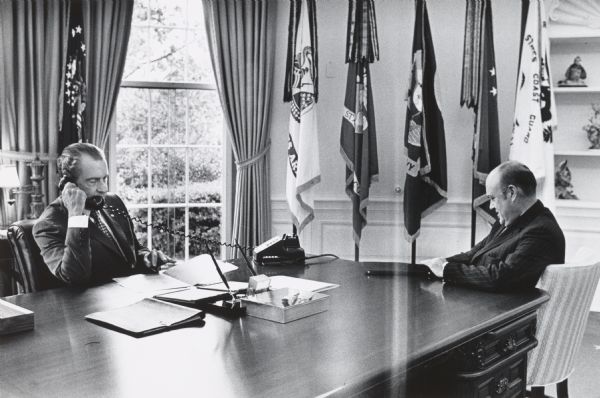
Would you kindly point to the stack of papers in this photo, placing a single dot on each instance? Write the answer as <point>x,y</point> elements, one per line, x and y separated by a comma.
<point>199,270</point>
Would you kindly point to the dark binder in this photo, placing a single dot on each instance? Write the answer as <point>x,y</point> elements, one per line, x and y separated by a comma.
<point>399,268</point>
<point>148,316</point>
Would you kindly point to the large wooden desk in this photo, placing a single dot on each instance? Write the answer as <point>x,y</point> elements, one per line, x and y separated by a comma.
<point>377,331</point>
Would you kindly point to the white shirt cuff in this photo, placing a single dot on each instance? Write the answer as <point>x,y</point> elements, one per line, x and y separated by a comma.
<point>78,221</point>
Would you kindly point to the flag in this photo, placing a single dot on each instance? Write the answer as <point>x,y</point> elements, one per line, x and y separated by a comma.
<point>303,171</point>
<point>426,185</point>
<point>74,98</point>
<point>359,142</point>
<point>486,140</point>
<point>535,110</point>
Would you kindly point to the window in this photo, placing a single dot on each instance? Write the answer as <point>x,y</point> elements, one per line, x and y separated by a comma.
<point>168,146</point>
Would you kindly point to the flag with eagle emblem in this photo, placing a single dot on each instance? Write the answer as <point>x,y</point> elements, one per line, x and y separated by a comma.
<point>303,171</point>
<point>74,98</point>
<point>426,185</point>
<point>535,110</point>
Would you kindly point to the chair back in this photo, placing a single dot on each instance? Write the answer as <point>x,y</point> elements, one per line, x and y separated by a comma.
<point>31,272</point>
<point>562,320</point>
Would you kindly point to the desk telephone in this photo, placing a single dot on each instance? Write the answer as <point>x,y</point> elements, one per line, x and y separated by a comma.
<point>91,203</point>
<point>279,250</point>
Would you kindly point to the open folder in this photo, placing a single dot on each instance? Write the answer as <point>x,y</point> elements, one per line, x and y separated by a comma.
<point>147,316</point>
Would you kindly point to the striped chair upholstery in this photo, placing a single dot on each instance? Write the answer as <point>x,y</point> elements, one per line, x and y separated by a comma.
<point>562,320</point>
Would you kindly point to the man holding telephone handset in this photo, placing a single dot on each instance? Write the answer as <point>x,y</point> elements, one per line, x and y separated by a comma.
<point>81,242</point>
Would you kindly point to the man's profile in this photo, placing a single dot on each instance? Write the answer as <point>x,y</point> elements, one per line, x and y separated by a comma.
<point>520,245</point>
<point>81,242</point>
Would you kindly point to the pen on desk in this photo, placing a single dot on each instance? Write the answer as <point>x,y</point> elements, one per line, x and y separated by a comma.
<point>373,272</point>
<point>221,274</point>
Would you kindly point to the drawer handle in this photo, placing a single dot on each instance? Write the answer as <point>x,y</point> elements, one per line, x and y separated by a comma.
<point>501,386</point>
<point>509,345</point>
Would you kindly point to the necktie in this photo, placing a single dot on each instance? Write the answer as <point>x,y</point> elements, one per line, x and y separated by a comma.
<point>103,227</point>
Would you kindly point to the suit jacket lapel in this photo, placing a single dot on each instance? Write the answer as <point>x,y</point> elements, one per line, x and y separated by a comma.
<point>512,230</point>
<point>103,239</point>
<point>117,230</point>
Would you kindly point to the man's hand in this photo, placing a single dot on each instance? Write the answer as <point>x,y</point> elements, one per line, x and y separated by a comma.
<point>157,260</point>
<point>74,200</point>
<point>436,265</point>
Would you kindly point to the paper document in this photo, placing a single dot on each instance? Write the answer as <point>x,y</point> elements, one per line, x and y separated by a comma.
<point>143,283</point>
<point>281,282</point>
<point>199,270</point>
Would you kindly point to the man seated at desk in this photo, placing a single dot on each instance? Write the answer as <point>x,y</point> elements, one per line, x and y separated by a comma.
<point>525,239</point>
<point>81,242</point>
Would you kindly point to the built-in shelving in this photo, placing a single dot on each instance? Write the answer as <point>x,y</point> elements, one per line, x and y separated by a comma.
<point>576,90</point>
<point>577,204</point>
<point>575,152</point>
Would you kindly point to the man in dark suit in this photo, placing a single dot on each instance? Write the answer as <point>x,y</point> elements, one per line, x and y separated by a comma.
<point>525,239</point>
<point>81,242</point>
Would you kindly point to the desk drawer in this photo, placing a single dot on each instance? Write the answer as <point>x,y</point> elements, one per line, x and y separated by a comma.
<point>494,346</point>
<point>503,380</point>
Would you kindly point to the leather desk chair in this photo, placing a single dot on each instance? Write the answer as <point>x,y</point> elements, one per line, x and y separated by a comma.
<point>561,321</point>
<point>31,272</point>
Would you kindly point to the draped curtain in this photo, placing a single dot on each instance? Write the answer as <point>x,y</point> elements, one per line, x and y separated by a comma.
<point>241,42</point>
<point>107,25</point>
<point>32,48</point>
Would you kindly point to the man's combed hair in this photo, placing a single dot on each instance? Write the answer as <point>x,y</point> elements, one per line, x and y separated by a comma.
<point>519,175</point>
<point>67,162</point>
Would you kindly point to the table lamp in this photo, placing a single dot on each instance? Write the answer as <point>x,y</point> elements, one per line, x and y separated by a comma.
<point>9,179</point>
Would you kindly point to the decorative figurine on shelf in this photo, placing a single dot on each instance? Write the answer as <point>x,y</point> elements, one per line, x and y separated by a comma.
<point>562,182</point>
<point>575,75</point>
<point>593,129</point>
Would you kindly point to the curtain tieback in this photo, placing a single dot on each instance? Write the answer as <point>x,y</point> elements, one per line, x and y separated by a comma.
<point>244,164</point>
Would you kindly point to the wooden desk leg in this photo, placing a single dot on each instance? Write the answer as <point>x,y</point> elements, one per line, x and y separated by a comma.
<point>562,390</point>
<point>537,392</point>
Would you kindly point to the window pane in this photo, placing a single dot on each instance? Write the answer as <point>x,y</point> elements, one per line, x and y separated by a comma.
<point>138,54</point>
<point>168,175</point>
<point>132,174</point>
<point>206,171</point>
<point>172,219</point>
<point>132,116</point>
<point>206,118</point>
<point>169,13</point>
<point>141,232</point>
<point>199,68</point>
<point>168,116</point>
<point>205,221</point>
<point>140,12</point>
<point>167,61</point>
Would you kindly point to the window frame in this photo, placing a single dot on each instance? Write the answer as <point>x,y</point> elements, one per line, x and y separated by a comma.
<point>227,185</point>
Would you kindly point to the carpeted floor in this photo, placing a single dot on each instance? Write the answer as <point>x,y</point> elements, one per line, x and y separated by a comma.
<point>585,380</point>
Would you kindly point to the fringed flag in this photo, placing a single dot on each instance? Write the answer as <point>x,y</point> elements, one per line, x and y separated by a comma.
<point>535,109</point>
<point>486,140</point>
<point>358,139</point>
<point>303,171</point>
<point>426,185</point>
<point>72,129</point>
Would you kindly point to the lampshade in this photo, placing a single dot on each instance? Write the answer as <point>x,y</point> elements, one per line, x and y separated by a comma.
<point>8,176</point>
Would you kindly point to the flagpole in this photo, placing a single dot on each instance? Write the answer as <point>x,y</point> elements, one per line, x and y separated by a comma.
<point>475,148</point>
<point>473,213</point>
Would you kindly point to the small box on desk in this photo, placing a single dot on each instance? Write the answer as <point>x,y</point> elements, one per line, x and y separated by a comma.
<point>285,305</point>
<point>14,318</point>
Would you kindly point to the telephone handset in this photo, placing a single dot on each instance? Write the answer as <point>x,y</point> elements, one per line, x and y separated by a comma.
<point>91,203</point>
<point>279,250</point>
